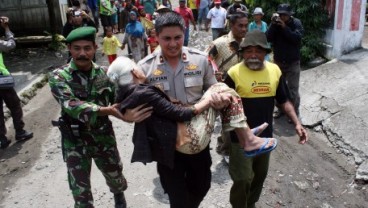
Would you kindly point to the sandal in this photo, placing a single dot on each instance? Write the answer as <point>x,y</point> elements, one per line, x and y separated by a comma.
<point>263,148</point>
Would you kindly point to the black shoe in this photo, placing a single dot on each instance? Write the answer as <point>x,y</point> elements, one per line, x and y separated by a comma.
<point>4,143</point>
<point>120,201</point>
<point>23,135</point>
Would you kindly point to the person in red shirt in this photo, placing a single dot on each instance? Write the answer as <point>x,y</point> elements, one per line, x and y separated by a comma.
<point>187,15</point>
<point>152,40</point>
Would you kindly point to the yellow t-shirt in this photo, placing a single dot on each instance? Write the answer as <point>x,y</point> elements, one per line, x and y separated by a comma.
<point>192,4</point>
<point>110,45</point>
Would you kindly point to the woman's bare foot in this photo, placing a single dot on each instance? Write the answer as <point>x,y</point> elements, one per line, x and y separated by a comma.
<point>268,145</point>
<point>259,129</point>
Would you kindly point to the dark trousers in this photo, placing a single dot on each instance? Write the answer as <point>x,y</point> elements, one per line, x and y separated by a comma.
<point>291,72</point>
<point>105,21</point>
<point>189,181</point>
<point>12,101</point>
<point>248,175</point>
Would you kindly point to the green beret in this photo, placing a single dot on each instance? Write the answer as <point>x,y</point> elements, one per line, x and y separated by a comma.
<point>82,33</point>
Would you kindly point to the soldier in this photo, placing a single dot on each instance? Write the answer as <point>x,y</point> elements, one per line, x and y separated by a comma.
<point>224,52</point>
<point>183,74</point>
<point>9,95</point>
<point>84,93</point>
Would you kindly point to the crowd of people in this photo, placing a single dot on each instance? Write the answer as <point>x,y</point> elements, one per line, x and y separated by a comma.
<point>235,77</point>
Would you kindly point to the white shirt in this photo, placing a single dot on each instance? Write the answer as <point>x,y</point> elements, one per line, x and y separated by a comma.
<point>218,17</point>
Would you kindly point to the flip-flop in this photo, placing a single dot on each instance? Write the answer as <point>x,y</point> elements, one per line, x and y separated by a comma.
<point>261,150</point>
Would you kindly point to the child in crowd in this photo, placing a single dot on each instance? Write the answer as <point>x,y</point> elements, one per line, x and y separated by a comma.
<point>109,45</point>
<point>152,40</point>
<point>257,23</point>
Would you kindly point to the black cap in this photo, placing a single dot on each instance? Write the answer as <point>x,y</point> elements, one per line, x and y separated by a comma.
<point>284,9</point>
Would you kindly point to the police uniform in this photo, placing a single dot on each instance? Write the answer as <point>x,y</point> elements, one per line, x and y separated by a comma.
<point>188,82</point>
<point>80,95</point>
<point>189,180</point>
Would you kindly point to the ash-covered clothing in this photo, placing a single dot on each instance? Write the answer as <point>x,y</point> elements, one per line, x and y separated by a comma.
<point>258,91</point>
<point>80,94</point>
<point>110,45</point>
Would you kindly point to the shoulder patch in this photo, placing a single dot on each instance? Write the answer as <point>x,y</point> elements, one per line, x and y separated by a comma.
<point>147,58</point>
<point>196,51</point>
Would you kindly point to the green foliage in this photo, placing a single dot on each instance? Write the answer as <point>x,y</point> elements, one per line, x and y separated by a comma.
<point>314,19</point>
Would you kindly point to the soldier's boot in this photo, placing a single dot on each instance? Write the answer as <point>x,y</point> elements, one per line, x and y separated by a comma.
<point>120,201</point>
<point>4,142</point>
<point>23,135</point>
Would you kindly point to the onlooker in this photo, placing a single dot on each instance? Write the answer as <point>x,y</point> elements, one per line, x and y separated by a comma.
<point>106,11</point>
<point>217,17</point>
<point>149,6</point>
<point>187,15</point>
<point>110,44</point>
<point>257,23</point>
<point>145,19</point>
<point>76,18</point>
<point>203,6</point>
<point>85,93</point>
<point>258,83</point>
<point>9,95</point>
<point>285,34</point>
<point>93,6</point>
<point>125,13</point>
<point>224,52</point>
<point>189,180</point>
<point>166,3</point>
<point>235,7</point>
<point>114,17</point>
<point>136,38</point>
<point>192,4</point>
<point>152,40</point>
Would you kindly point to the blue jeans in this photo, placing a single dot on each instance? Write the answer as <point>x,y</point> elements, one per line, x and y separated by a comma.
<point>186,36</point>
<point>202,15</point>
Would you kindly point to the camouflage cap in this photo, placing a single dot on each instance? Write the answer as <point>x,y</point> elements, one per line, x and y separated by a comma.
<point>255,38</point>
<point>82,33</point>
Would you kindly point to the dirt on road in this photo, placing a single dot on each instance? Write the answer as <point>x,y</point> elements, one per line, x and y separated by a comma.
<point>32,173</point>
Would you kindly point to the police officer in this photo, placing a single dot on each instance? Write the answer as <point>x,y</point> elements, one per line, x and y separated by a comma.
<point>84,93</point>
<point>9,95</point>
<point>183,74</point>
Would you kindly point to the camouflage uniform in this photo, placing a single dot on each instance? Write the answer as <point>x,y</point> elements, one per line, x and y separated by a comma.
<point>80,94</point>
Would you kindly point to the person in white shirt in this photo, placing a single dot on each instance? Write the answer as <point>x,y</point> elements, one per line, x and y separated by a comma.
<point>217,17</point>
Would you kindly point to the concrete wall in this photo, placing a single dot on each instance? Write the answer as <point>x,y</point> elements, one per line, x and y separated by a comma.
<point>348,29</point>
<point>30,17</point>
